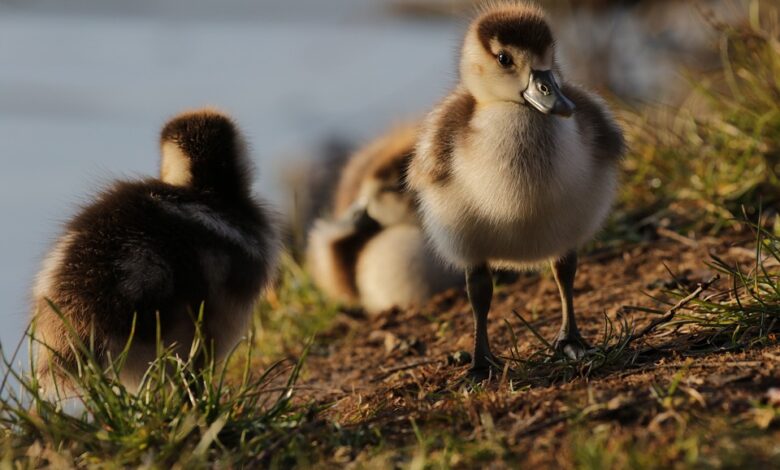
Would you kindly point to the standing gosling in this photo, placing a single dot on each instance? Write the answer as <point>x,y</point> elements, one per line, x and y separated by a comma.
<point>373,252</point>
<point>166,245</point>
<point>503,178</point>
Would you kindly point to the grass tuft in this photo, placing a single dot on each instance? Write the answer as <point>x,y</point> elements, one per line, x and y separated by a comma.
<point>746,312</point>
<point>292,312</point>
<point>185,413</point>
<point>742,313</point>
<point>697,165</point>
<point>546,365</point>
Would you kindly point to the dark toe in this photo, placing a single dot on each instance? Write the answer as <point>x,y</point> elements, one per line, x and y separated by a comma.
<point>492,366</point>
<point>573,347</point>
<point>480,374</point>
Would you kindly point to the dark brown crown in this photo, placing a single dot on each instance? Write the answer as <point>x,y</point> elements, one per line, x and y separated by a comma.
<point>522,26</point>
<point>201,133</point>
<point>213,144</point>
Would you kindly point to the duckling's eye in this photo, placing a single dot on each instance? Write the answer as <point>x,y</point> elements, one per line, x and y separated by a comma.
<point>504,59</point>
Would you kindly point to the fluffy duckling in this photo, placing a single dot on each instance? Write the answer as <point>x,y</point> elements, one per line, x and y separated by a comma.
<point>160,246</point>
<point>375,177</point>
<point>373,252</point>
<point>503,178</point>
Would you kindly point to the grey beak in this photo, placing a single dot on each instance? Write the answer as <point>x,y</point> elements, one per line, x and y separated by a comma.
<point>543,94</point>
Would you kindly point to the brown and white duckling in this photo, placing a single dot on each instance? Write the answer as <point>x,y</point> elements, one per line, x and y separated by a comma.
<point>503,178</point>
<point>372,252</point>
<point>195,235</point>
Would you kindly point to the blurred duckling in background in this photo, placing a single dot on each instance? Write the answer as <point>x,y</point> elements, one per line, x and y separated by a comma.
<point>160,246</point>
<point>372,251</point>
<point>503,178</point>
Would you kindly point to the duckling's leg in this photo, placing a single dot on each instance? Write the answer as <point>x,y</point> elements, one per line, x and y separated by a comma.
<point>479,285</point>
<point>569,341</point>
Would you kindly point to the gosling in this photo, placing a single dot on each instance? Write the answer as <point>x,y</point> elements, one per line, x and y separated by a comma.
<point>159,248</point>
<point>372,252</point>
<point>504,179</point>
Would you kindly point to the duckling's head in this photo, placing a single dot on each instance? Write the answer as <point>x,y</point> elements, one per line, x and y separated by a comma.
<point>372,187</point>
<point>508,55</point>
<point>384,195</point>
<point>204,149</point>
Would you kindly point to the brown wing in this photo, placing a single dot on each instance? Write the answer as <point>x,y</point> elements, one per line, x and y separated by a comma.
<point>596,123</point>
<point>432,163</point>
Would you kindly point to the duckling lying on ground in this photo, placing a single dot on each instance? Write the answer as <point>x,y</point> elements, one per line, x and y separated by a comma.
<point>167,245</point>
<point>373,252</point>
<point>503,178</point>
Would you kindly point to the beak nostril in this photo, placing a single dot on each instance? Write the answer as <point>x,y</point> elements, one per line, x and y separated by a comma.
<point>544,88</point>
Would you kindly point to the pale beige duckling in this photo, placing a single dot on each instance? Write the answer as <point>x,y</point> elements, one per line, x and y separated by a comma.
<point>372,252</point>
<point>515,167</point>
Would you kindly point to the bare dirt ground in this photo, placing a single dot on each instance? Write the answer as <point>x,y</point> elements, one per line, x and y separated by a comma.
<point>386,371</point>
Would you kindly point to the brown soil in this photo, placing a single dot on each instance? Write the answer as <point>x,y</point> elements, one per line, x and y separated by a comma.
<point>385,371</point>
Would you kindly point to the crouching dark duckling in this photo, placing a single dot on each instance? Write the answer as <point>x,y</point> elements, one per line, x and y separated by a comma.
<point>159,247</point>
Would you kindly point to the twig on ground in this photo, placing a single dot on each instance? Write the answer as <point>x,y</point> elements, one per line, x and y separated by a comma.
<point>669,314</point>
<point>413,365</point>
<point>665,232</point>
<point>591,413</point>
<point>534,428</point>
<point>700,365</point>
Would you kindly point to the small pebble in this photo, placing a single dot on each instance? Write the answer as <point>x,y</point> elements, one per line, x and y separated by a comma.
<point>460,358</point>
<point>773,396</point>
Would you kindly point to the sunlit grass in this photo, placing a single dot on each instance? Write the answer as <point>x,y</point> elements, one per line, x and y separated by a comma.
<point>185,413</point>
<point>697,165</point>
<point>293,311</point>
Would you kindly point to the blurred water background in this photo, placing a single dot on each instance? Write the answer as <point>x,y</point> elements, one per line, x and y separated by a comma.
<point>86,84</point>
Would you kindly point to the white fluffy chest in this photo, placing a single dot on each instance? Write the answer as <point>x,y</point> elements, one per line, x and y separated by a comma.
<point>517,195</point>
<point>510,172</point>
